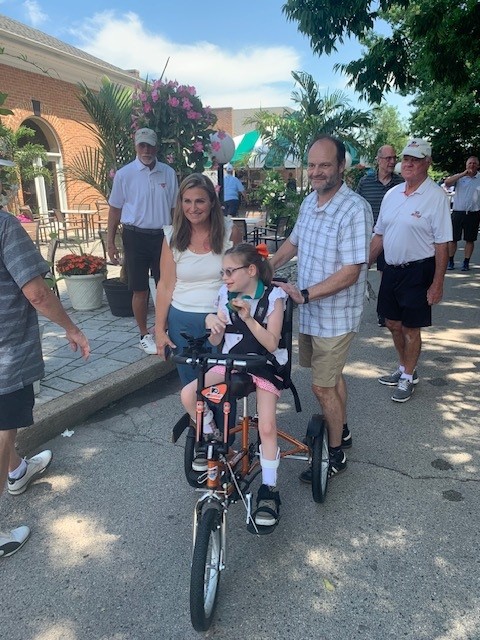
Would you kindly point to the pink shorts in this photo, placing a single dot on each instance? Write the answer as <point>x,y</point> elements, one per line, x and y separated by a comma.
<point>260,383</point>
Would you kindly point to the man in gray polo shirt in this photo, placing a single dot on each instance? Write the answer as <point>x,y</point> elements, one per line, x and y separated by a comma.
<point>23,292</point>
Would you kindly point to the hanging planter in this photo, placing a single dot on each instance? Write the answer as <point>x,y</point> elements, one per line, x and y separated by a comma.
<point>85,292</point>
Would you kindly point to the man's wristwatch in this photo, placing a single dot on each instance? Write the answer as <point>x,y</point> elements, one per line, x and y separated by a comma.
<point>306,296</point>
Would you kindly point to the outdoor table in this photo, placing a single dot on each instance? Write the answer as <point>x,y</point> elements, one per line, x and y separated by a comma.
<point>87,216</point>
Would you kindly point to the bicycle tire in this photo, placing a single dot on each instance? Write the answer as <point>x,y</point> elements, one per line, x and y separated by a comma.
<point>205,572</point>
<point>320,462</point>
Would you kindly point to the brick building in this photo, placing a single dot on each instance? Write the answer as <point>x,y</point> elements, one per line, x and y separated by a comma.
<point>41,74</point>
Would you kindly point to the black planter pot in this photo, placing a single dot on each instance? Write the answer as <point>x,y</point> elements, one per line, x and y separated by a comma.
<point>119,297</point>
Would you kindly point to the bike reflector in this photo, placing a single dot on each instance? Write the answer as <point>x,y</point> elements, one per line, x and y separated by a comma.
<point>215,393</point>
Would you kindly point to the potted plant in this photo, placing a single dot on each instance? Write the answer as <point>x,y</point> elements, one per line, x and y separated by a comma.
<point>83,274</point>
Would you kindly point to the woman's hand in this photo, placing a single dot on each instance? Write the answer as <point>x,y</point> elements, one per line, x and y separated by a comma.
<point>162,340</point>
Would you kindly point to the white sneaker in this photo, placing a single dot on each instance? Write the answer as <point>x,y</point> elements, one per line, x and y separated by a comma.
<point>13,541</point>
<point>147,343</point>
<point>35,467</point>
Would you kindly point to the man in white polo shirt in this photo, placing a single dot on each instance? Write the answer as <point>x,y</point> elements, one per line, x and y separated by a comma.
<point>413,228</point>
<point>143,197</point>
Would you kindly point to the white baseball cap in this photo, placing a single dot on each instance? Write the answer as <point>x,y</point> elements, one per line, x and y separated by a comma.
<point>417,148</point>
<point>146,135</point>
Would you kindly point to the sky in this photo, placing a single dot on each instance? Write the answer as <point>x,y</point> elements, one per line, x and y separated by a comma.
<point>238,55</point>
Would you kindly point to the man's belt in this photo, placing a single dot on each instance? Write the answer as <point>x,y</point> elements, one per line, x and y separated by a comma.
<point>411,263</point>
<point>151,232</point>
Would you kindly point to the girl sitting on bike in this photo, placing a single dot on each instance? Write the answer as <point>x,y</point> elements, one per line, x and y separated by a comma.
<point>247,276</point>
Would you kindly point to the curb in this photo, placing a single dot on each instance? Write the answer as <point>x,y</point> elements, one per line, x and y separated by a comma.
<point>72,408</point>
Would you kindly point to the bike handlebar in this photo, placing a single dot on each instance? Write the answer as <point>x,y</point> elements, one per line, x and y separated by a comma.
<point>237,361</point>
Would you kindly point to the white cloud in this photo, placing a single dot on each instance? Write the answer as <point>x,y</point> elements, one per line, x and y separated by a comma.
<point>246,78</point>
<point>35,15</point>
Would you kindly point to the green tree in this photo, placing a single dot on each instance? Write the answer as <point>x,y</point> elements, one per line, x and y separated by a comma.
<point>430,41</point>
<point>110,110</point>
<point>387,127</point>
<point>450,120</point>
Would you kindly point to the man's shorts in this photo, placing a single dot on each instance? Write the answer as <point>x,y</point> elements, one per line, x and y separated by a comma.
<point>466,222</point>
<point>403,293</point>
<point>325,356</point>
<point>142,257</point>
<point>16,409</point>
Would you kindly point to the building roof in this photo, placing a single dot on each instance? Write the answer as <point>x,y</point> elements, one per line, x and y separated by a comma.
<point>35,51</point>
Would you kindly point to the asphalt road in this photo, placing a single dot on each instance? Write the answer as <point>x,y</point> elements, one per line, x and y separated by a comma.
<point>392,554</point>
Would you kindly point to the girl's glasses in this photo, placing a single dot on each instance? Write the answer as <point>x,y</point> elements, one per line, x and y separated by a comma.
<point>229,272</point>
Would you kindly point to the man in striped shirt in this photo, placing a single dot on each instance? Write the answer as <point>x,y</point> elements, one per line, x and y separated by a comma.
<point>331,240</point>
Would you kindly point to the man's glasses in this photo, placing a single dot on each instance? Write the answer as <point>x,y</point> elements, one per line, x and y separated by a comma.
<point>229,272</point>
<point>387,157</point>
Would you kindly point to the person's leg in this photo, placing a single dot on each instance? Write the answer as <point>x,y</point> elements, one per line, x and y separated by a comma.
<point>268,499</point>
<point>457,227</point>
<point>468,250</point>
<point>9,458</point>
<point>140,309</point>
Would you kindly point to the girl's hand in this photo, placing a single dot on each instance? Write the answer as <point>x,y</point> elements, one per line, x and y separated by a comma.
<point>162,340</point>
<point>242,307</point>
<point>216,323</point>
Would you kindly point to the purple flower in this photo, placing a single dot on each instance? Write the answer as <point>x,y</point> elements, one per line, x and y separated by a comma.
<point>173,102</point>
<point>186,104</point>
<point>198,146</point>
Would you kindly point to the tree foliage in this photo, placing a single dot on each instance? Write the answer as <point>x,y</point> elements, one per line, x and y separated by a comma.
<point>110,110</point>
<point>430,41</point>
<point>387,128</point>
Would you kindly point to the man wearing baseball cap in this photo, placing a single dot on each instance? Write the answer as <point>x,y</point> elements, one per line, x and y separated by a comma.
<point>143,197</point>
<point>413,228</point>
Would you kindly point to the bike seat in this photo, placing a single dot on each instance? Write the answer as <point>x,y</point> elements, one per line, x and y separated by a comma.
<point>241,385</point>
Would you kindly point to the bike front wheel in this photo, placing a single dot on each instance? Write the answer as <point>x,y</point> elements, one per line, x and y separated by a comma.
<point>206,567</point>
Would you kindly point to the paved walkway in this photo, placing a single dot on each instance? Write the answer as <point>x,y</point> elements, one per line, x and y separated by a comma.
<point>73,389</point>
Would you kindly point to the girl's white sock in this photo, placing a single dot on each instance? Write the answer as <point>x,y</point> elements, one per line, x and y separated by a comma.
<point>269,469</point>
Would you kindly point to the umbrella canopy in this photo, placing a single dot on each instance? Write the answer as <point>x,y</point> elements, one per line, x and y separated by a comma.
<point>251,151</point>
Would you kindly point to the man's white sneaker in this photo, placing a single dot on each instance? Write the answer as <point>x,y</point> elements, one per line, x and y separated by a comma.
<point>35,467</point>
<point>12,541</point>
<point>147,343</point>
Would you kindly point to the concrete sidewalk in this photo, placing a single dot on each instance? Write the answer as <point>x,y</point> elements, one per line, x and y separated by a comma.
<point>72,389</point>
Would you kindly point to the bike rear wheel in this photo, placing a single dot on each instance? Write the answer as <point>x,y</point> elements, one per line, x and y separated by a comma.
<point>205,572</point>
<point>320,461</point>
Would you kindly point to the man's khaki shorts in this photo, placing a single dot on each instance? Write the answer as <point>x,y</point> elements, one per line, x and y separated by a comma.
<point>325,356</point>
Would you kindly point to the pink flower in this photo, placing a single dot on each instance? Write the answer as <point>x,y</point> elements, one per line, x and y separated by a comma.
<point>221,134</point>
<point>216,146</point>
<point>198,146</point>
<point>186,104</point>
<point>143,96</point>
<point>193,115</point>
<point>173,102</point>
<point>170,158</point>
<point>147,107</point>
<point>154,95</point>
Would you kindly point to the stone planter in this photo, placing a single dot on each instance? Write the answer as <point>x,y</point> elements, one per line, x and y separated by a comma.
<point>119,297</point>
<point>85,292</point>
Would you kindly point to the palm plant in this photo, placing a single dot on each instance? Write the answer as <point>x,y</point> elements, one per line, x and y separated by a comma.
<point>292,132</point>
<point>110,110</point>
<point>28,159</point>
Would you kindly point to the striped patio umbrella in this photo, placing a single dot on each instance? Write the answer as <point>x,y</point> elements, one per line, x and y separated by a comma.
<point>251,151</point>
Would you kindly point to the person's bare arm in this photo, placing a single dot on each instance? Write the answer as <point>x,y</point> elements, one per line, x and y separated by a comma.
<point>342,279</point>
<point>165,287</point>
<point>46,302</point>
<point>435,291</point>
<point>113,222</point>
<point>286,252</point>
<point>376,247</point>
<point>451,180</point>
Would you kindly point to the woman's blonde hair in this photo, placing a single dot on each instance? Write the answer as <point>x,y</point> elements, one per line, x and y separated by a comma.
<point>182,229</point>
